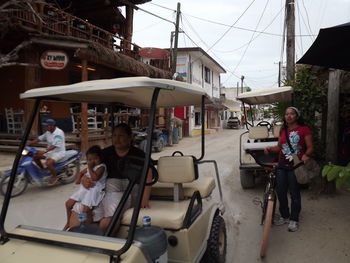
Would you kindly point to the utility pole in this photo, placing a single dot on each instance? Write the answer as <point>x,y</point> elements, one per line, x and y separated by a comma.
<point>170,115</point>
<point>290,9</point>
<point>173,64</point>
<point>242,79</point>
<point>279,74</point>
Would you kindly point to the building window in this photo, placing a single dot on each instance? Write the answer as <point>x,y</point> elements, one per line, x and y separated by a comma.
<point>207,75</point>
<point>197,118</point>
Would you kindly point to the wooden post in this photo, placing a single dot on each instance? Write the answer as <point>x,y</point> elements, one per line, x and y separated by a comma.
<point>333,116</point>
<point>332,123</point>
<point>128,27</point>
<point>84,136</point>
<point>31,82</point>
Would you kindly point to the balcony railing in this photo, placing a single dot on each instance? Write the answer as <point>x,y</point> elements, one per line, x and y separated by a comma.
<point>52,21</point>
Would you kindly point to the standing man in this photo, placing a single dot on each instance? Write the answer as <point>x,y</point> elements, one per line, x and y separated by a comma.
<point>55,150</point>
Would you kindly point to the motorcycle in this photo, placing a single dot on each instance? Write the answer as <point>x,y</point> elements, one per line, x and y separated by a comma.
<point>29,172</point>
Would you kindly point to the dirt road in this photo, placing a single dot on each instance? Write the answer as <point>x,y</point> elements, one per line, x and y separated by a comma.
<point>324,235</point>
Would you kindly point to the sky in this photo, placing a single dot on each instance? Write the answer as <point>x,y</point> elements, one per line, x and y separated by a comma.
<point>225,30</point>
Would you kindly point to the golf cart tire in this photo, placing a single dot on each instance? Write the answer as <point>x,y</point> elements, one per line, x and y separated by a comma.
<point>247,179</point>
<point>217,242</point>
<point>15,192</point>
<point>160,145</point>
<point>71,173</point>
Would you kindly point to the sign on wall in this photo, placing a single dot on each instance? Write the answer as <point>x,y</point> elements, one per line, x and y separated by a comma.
<point>55,60</point>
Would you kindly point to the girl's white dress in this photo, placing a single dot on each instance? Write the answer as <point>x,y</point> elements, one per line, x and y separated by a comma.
<point>93,196</point>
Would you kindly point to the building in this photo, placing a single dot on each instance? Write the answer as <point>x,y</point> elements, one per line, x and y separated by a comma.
<point>233,106</point>
<point>195,66</point>
<point>59,42</point>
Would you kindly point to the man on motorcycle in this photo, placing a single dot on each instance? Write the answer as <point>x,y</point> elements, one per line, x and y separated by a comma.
<point>55,150</point>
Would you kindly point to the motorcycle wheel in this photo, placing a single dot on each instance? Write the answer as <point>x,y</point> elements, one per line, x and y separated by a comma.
<point>20,185</point>
<point>70,173</point>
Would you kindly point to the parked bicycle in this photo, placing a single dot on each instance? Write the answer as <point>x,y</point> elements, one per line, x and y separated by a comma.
<point>268,203</point>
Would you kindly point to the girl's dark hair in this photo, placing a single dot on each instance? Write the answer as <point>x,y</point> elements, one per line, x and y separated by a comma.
<point>300,119</point>
<point>123,126</point>
<point>95,150</point>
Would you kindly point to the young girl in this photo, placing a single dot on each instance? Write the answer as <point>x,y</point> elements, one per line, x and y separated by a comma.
<point>91,197</point>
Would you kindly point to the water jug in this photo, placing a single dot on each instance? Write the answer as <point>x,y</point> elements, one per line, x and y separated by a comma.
<point>153,240</point>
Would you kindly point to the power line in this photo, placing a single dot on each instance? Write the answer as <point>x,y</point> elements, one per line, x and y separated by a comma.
<point>217,41</point>
<point>242,28</point>
<point>301,42</point>
<point>164,7</point>
<point>251,39</point>
<point>307,16</point>
<point>148,12</point>
<point>273,20</point>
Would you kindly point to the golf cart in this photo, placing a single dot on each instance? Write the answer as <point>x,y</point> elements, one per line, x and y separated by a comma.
<point>233,123</point>
<point>181,206</point>
<point>259,135</point>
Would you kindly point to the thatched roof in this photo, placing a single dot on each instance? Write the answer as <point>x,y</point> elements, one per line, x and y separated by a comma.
<point>98,54</point>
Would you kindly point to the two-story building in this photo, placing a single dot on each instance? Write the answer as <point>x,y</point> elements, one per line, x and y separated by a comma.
<point>49,43</point>
<point>195,66</point>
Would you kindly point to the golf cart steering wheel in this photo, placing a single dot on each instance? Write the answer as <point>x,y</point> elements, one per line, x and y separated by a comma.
<point>264,123</point>
<point>133,166</point>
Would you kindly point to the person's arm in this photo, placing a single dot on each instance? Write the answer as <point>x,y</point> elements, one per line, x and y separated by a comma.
<point>147,191</point>
<point>275,149</point>
<point>34,141</point>
<point>81,175</point>
<point>96,175</point>
<point>87,182</point>
<point>309,148</point>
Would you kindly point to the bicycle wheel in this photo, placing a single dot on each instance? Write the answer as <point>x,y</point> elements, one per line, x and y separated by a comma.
<point>267,228</point>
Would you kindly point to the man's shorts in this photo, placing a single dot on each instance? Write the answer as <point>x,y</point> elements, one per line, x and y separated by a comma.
<point>56,156</point>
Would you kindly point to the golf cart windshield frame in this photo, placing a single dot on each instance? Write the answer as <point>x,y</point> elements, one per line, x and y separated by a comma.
<point>4,236</point>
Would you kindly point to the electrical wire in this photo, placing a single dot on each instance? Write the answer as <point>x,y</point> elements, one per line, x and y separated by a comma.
<point>228,30</point>
<point>307,16</point>
<point>268,25</point>
<point>299,23</point>
<point>251,39</point>
<point>306,26</point>
<point>164,7</point>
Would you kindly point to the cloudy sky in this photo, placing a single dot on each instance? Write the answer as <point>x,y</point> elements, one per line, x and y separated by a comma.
<point>225,29</point>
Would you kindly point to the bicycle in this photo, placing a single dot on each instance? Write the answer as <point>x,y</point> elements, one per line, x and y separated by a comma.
<point>268,205</point>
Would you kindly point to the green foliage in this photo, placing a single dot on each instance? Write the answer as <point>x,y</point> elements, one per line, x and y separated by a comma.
<point>310,97</point>
<point>279,109</point>
<point>339,174</point>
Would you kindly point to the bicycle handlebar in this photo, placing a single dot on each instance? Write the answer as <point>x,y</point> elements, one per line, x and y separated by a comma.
<point>270,166</point>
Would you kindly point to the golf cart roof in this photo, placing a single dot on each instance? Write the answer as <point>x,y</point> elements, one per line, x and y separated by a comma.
<point>265,96</point>
<point>131,91</point>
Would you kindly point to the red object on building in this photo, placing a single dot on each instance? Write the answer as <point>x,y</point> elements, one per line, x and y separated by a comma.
<point>154,53</point>
<point>182,113</point>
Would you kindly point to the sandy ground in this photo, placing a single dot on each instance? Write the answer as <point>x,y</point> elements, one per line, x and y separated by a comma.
<point>324,235</point>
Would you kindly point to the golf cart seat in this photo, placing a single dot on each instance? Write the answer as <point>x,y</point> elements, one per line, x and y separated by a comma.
<point>181,211</point>
<point>258,132</point>
<point>276,131</point>
<point>204,184</point>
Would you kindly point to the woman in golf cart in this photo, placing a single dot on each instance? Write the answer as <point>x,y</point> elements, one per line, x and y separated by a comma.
<point>114,158</point>
<point>295,140</point>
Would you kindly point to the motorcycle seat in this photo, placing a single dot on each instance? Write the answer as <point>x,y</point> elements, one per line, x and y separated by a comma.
<point>68,155</point>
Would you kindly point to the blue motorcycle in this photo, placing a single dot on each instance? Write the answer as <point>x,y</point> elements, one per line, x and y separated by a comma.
<point>29,172</point>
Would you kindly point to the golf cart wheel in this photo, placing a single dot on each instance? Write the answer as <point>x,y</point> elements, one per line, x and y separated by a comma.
<point>216,249</point>
<point>20,185</point>
<point>247,179</point>
<point>160,145</point>
<point>70,173</point>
